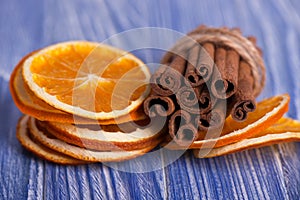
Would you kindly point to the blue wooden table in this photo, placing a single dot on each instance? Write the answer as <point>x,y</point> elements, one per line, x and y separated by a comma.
<point>265,173</point>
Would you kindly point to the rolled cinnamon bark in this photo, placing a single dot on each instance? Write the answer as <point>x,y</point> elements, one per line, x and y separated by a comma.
<point>182,128</point>
<point>200,64</point>
<point>225,80</point>
<point>243,100</point>
<point>168,57</point>
<point>155,106</point>
<point>187,99</point>
<point>191,73</point>
<point>205,98</point>
<point>168,79</point>
<point>213,119</point>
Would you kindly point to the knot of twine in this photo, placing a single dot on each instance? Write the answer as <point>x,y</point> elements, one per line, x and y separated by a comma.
<point>233,39</point>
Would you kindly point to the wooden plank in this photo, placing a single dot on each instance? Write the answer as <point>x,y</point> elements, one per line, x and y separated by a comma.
<point>266,173</point>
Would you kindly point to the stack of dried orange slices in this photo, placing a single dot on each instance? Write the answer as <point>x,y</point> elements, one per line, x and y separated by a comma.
<point>97,87</point>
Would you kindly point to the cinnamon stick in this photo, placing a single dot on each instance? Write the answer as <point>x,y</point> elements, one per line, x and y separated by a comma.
<point>214,118</point>
<point>205,99</point>
<point>168,57</point>
<point>243,100</point>
<point>168,79</point>
<point>191,73</point>
<point>182,128</point>
<point>187,99</point>
<point>155,106</point>
<point>200,65</point>
<point>225,80</point>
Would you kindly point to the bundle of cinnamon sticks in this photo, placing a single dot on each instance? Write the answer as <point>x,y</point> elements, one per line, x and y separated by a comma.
<point>207,76</point>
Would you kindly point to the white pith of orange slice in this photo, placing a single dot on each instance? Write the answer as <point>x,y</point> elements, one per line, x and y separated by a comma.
<point>88,79</point>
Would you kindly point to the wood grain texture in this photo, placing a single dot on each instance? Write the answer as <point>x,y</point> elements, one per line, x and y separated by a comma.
<point>265,173</point>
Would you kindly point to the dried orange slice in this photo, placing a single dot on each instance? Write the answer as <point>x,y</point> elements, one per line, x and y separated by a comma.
<point>285,130</point>
<point>125,137</point>
<point>268,112</point>
<point>25,138</point>
<point>31,105</point>
<point>50,142</point>
<point>87,79</point>
<point>282,125</point>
